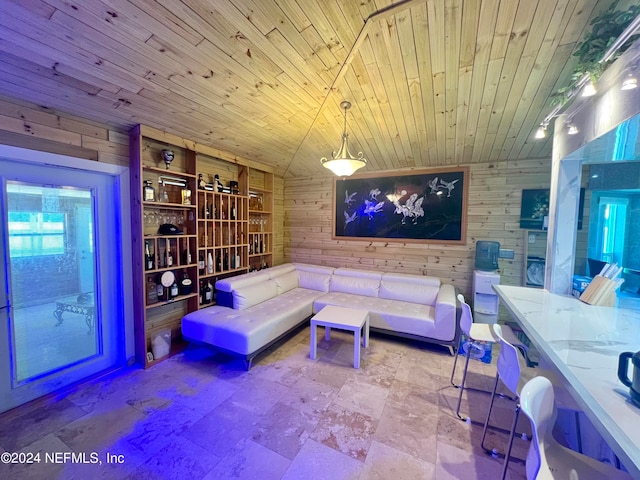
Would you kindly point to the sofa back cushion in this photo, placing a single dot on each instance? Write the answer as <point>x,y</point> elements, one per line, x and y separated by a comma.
<point>408,292</point>
<point>306,267</point>
<point>314,280</point>
<point>231,283</point>
<point>286,281</point>
<point>354,272</point>
<point>367,287</point>
<point>250,295</point>
<point>280,269</point>
<point>409,278</point>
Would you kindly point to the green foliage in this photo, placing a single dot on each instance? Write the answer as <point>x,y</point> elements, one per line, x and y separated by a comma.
<point>605,29</point>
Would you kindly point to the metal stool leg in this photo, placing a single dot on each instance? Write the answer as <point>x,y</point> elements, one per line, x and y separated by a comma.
<point>486,422</point>
<point>507,455</point>
<point>464,378</point>
<point>453,372</point>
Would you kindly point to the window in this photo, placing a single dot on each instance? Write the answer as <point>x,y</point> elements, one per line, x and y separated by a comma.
<point>34,234</point>
<point>612,221</point>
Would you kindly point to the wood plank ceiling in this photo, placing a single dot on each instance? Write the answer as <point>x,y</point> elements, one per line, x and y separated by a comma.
<point>432,82</point>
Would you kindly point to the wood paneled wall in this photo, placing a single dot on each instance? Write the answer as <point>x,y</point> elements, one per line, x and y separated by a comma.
<point>29,126</point>
<point>493,214</point>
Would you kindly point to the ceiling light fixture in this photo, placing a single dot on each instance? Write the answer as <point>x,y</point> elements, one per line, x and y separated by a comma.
<point>542,131</point>
<point>572,129</point>
<point>342,163</point>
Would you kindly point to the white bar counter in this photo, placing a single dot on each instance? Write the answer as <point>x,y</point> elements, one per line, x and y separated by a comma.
<point>583,343</point>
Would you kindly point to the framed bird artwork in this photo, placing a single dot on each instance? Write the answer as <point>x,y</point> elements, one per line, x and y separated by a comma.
<point>412,206</point>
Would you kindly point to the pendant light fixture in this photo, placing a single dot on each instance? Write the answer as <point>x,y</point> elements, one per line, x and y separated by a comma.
<point>342,163</point>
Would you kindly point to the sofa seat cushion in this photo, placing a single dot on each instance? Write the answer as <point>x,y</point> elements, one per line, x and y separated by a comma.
<point>385,314</point>
<point>246,331</point>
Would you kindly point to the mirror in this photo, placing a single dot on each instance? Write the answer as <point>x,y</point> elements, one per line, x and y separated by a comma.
<point>611,231</point>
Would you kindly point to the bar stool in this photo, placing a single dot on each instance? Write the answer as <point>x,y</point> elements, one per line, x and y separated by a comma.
<point>477,332</point>
<point>514,375</point>
<point>547,459</point>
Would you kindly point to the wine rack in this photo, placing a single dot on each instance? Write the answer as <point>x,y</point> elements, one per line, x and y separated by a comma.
<point>260,237</point>
<point>222,236</point>
<point>221,229</point>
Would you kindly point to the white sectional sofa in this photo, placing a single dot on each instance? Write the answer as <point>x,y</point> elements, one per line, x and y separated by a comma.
<point>255,310</point>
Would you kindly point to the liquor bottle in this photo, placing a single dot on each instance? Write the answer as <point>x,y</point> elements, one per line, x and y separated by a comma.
<point>208,293</point>
<point>206,212</point>
<point>225,264</point>
<point>163,196</point>
<point>223,214</point>
<point>174,290</point>
<point>152,292</point>
<point>186,285</point>
<point>201,182</point>
<point>201,263</point>
<point>209,263</point>
<point>149,194</point>
<point>233,211</point>
<point>148,258</point>
<point>160,291</point>
<point>238,261</point>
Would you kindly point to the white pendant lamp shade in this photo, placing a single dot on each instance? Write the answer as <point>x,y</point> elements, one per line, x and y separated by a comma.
<point>342,163</point>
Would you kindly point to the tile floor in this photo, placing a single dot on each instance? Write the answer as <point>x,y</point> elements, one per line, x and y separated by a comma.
<point>201,415</point>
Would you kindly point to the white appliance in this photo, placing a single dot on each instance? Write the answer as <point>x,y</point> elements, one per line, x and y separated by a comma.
<point>485,299</point>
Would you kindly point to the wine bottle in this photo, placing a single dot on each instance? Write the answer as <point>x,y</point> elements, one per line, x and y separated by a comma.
<point>148,258</point>
<point>233,262</point>
<point>233,211</point>
<point>208,294</point>
<point>219,262</point>
<point>223,213</point>
<point>169,257</point>
<point>160,292</point>
<point>174,290</point>
<point>186,255</point>
<point>209,263</point>
<point>225,264</point>
<point>201,291</point>
<point>201,263</point>
<point>238,261</point>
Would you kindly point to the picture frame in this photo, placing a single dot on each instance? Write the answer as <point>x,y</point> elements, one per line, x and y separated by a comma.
<point>534,208</point>
<point>419,206</point>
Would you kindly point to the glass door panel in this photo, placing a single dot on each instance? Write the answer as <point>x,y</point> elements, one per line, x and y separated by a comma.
<point>61,282</point>
<point>51,265</point>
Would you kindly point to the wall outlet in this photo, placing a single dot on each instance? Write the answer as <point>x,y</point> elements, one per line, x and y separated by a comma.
<point>532,238</point>
<point>504,253</point>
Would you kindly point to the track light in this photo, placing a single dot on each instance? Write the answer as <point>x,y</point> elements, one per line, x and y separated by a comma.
<point>629,83</point>
<point>572,129</point>
<point>541,132</point>
<point>589,89</point>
